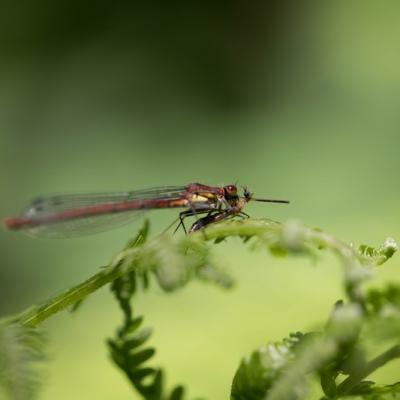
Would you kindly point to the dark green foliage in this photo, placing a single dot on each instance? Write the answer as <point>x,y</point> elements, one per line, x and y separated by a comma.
<point>21,353</point>
<point>379,254</point>
<point>128,349</point>
<point>335,356</point>
<point>257,373</point>
<point>338,358</point>
<point>386,301</point>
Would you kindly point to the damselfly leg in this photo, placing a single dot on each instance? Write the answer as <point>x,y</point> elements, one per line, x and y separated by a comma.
<point>190,213</point>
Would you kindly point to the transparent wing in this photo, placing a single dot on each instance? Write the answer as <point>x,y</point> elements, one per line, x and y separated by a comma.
<point>83,226</point>
<point>56,217</point>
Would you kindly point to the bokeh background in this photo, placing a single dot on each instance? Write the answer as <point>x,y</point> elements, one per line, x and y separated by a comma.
<point>298,101</point>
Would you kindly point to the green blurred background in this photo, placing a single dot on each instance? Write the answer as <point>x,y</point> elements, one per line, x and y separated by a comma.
<point>298,101</point>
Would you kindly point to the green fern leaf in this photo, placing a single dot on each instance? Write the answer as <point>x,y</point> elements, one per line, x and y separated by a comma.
<point>367,390</point>
<point>21,355</point>
<point>128,349</point>
<point>257,373</point>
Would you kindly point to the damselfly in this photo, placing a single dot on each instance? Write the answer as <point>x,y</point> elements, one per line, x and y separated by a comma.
<point>78,214</point>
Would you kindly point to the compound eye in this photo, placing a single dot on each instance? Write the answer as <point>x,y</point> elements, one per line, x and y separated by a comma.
<point>231,189</point>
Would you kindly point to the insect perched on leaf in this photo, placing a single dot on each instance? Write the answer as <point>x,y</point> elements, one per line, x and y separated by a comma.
<point>78,214</point>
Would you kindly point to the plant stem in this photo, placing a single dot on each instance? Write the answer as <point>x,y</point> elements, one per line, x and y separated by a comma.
<point>389,355</point>
<point>36,315</point>
<point>291,237</point>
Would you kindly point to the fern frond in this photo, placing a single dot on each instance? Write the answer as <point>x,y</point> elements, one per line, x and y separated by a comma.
<point>368,390</point>
<point>282,370</point>
<point>174,262</point>
<point>129,352</point>
<point>127,349</point>
<point>21,354</point>
<point>258,372</point>
<point>386,301</point>
<point>380,254</point>
<point>337,352</point>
